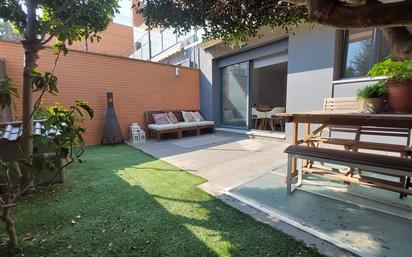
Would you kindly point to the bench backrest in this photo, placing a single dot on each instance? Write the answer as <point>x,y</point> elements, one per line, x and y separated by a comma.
<point>178,113</point>
<point>341,104</point>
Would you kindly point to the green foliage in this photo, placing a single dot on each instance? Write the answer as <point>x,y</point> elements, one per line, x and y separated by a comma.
<point>68,21</point>
<point>41,113</point>
<point>7,91</point>
<point>394,70</point>
<point>233,21</point>
<point>377,90</point>
<point>46,82</point>
<point>61,132</point>
<point>60,137</point>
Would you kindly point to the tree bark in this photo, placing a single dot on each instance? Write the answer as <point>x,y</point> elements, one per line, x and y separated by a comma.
<point>400,40</point>
<point>371,14</point>
<point>10,227</point>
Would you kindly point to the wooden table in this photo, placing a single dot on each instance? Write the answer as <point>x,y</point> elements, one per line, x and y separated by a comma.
<point>336,118</point>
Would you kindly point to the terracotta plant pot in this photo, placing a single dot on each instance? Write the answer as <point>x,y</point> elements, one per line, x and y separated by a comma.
<point>400,96</point>
<point>372,105</point>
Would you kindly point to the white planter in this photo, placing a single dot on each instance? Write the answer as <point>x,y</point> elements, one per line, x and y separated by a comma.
<point>372,105</point>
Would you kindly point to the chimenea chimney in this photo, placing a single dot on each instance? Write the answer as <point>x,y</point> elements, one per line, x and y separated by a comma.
<point>112,134</point>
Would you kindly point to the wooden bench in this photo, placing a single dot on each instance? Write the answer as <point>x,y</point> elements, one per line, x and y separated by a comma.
<point>381,164</point>
<point>178,128</point>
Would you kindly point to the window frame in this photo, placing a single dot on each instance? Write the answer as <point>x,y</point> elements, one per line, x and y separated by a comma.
<point>376,46</point>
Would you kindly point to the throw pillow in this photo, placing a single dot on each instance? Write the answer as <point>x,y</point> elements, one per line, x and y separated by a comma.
<point>197,116</point>
<point>187,116</point>
<point>172,118</point>
<point>160,118</point>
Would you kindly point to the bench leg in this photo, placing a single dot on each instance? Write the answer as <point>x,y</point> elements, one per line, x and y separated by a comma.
<point>300,172</point>
<point>158,135</point>
<point>289,175</point>
<point>198,132</point>
<point>179,134</point>
<point>289,186</point>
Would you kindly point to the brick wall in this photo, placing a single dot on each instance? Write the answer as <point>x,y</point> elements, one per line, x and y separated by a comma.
<point>117,39</point>
<point>138,86</point>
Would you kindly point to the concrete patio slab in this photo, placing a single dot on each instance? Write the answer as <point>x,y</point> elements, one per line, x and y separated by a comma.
<point>226,160</point>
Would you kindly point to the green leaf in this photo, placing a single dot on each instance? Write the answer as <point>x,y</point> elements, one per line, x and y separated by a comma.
<point>7,92</point>
<point>85,106</point>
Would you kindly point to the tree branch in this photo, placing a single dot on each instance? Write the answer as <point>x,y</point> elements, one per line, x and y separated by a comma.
<point>372,14</point>
<point>51,36</point>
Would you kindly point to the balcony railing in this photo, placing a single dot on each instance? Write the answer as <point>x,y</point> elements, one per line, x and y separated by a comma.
<point>153,43</point>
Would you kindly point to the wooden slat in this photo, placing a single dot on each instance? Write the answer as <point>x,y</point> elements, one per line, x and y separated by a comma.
<point>379,147</point>
<point>362,181</point>
<point>355,158</point>
<point>401,130</point>
<point>350,119</point>
<point>387,134</point>
<point>341,104</point>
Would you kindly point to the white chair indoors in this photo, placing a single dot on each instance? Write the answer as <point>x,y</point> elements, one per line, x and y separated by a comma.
<point>274,119</point>
<point>258,116</point>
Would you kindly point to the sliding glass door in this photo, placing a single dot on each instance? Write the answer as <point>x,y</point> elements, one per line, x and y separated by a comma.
<point>234,81</point>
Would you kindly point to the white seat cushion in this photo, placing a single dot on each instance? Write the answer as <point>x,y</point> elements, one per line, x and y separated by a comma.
<point>160,127</point>
<point>187,124</point>
<point>206,123</point>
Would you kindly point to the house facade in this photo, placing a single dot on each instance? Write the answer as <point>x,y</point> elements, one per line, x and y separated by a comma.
<point>295,71</point>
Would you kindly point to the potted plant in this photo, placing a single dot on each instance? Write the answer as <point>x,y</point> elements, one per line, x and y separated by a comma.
<point>372,97</point>
<point>399,82</point>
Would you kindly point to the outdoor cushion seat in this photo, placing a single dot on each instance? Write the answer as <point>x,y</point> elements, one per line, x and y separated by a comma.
<point>187,124</point>
<point>160,127</point>
<point>206,123</point>
<point>180,128</point>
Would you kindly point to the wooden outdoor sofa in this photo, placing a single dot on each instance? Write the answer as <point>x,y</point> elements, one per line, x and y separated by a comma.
<point>157,130</point>
<point>372,163</point>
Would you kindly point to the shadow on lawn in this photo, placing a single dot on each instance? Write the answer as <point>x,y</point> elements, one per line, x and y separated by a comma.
<point>129,204</point>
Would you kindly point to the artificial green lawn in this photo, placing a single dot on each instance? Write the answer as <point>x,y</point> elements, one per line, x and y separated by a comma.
<point>127,203</point>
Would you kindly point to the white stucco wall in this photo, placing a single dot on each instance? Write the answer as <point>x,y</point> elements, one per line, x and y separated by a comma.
<point>313,57</point>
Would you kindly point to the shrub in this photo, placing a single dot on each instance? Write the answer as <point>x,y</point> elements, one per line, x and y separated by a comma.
<point>377,90</point>
<point>393,70</point>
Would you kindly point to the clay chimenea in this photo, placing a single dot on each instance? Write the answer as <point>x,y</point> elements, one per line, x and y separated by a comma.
<point>112,134</point>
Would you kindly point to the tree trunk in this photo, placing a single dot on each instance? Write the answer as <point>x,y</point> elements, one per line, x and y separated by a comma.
<point>29,64</point>
<point>400,40</point>
<point>10,227</point>
<point>31,46</point>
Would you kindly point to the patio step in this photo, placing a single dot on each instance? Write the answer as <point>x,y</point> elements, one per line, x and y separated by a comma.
<point>255,134</point>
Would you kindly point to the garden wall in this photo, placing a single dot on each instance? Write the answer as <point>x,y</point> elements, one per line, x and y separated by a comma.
<point>138,86</point>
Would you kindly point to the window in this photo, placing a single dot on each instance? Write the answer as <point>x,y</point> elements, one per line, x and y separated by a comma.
<point>361,50</point>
